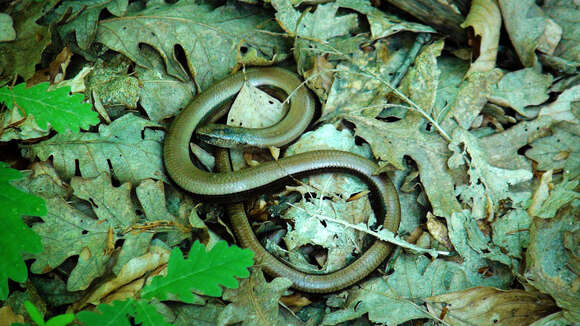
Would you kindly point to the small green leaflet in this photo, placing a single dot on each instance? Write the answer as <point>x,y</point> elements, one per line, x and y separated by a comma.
<point>57,107</point>
<point>118,314</point>
<point>109,314</point>
<point>15,236</point>
<point>147,315</point>
<point>203,271</point>
<point>36,316</point>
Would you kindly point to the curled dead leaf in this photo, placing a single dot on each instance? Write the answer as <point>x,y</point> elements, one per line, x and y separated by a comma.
<point>485,19</point>
<point>491,306</point>
<point>438,231</point>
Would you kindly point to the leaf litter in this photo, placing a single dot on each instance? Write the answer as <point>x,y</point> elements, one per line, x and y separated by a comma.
<point>489,155</point>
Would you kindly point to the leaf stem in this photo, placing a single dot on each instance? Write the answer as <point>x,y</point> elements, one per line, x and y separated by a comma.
<point>369,74</point>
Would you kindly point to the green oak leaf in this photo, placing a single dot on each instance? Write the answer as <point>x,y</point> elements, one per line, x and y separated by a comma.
<point>55,107</point>
<point>147,315</point>
<point>117,313</point>
<point>36,316</point>
<point>203,271</point>
<point>15,236</point>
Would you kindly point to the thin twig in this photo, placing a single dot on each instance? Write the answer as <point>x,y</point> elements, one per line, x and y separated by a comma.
<point>394,240</point>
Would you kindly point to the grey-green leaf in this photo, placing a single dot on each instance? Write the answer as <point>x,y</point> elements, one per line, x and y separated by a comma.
<point>126,145</point>
<point>213,40</point>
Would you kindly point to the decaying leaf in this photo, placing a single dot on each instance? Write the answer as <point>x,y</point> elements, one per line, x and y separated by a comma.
<point>558,152</point>
<point>133,150</point>
<point>563,109</point>
<point>502,148</point>
<point>255,302</point>
<point>383,24</point>
<point>438,230</point>
<point>205,315</point>
<point>80,235</point>
<point>7,32</point>
<point>342,243</point>
<point>236,34</point>
<point>20,56</point>
<point>472,97</point>
<point>511,235</point>
<point>161,95</point>
<point>478,252</point>
<point>8,316</point>
<point>132,270</point>
<point>491,306</point>
<point>85,16</point>
<point>452,137</point>
<point>91,233</point>
<point>485,19</point>
<point>488,184</point>
<point>397,298</point>
<point>307,229</point>
<point>521,88</point>
<point>110,82</point>
<point>553,261</point>
<point>567,15</point>
<point>254,108</point>
<point>529,29</point>
<point>549,198</point>
<point>315,24</point>
<point>392,141</point>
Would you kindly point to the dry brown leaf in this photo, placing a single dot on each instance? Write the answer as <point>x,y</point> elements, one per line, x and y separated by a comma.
<point>438,230</point>
<point>491,306</point>
<point>295,300</point>
<point>134,269</point>
<point>485,19</point>
<point>7,316</point>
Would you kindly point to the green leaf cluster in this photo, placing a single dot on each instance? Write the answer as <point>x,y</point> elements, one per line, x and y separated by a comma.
<point>488,151</point>
<point>15,236</point>
<point>38,319</point>
<point>55,107</point>
<point>202,271</point>
<point>119,312</point>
